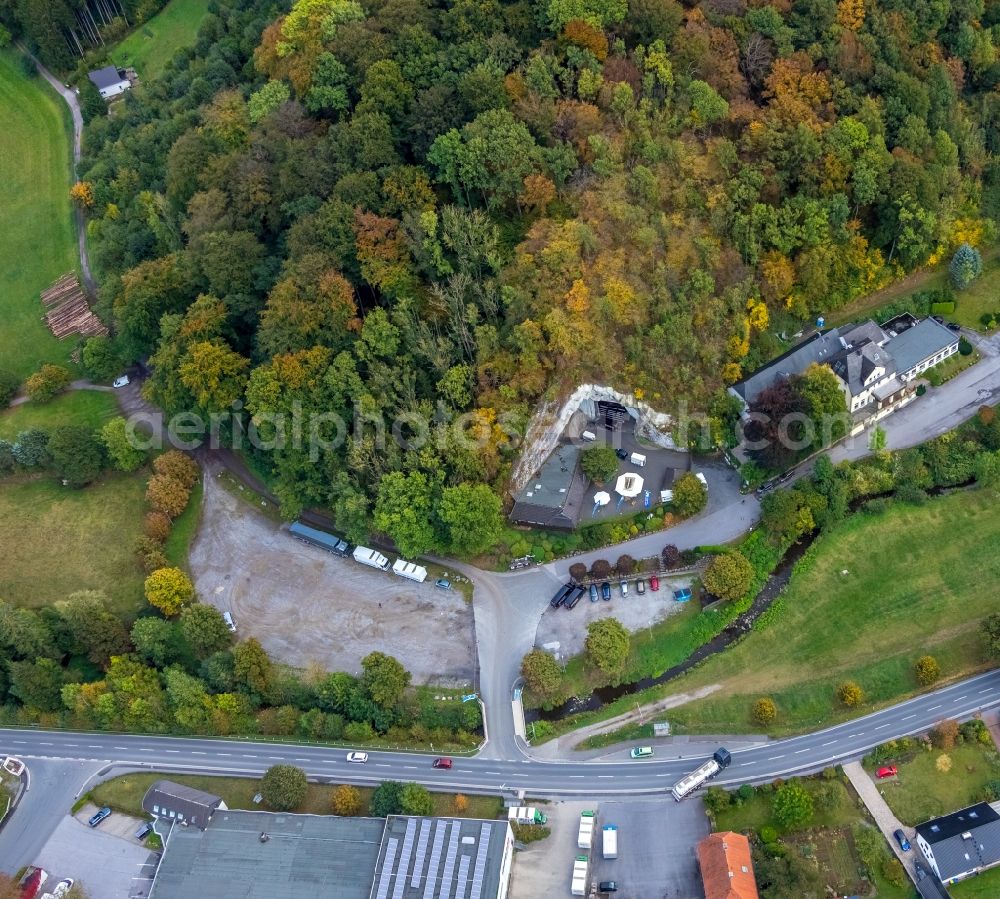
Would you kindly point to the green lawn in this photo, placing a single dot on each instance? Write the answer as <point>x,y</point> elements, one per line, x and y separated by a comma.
<point>185,527</point>
<point>37,239</point>
<point>56,540</point>
<point>985,886</point>
<point>76,407</point>
<point>918,579</point>
<point>151,45</point>
<point>952,366</point>
<point>982,296</point>
<point>125,795</point>
<point>920,791</point>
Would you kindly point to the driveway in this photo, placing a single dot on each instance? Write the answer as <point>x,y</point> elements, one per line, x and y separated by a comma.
<point>308,606</point>
<point>887,822</point>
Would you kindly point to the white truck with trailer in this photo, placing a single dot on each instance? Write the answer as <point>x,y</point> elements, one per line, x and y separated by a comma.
<point>585,837</point>
<point>581,865</point>
<point>370,557</point>
<point>610,845</point>
<point>525,815</point>
<point>410,570</point>
<point>689,783</point>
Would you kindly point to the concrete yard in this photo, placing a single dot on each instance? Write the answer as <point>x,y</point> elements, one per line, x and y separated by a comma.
<point>656,850</point>
<point>108,866</point>
<point>308,606</point>
<point>568,628</point>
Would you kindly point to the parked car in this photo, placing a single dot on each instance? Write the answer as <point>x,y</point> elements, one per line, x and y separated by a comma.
<point>594,595</point>
<point>606,590</point>
<point>640,586</point>
<point>62,888</point>
<point>904,843</point>
<point>443,583</point>
<point>228,618</point>
<point>97,818</point>
<point>360,757</point>
<point>654,583</point>
<point>642,752</point>
<point>621,454</point>
<point>144,831</point>
<point>574,596</point>
<point>921,871</point>
<point>560,595</point>
<point>442,763</point>
<point>121,381</point>
<point>886,771</point>
<point>624,588</point>
<point>607,886</point>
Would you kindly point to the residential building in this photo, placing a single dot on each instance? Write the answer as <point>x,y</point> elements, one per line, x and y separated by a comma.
<point>554,497</point>
<point>263,855</point>
<point>924,345</point>
<point>175,803</point>
<point>726,868</point>
<point>963,843</point>
<point>109,81</point>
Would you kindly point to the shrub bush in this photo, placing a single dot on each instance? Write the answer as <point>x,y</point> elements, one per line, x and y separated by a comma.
<point>9,383</point>
<point>47,382</point>
<point>764,711</point>
<point>927,670</point>
<point>850,694</point>
<point>964,347</point>
<point>284,787</point>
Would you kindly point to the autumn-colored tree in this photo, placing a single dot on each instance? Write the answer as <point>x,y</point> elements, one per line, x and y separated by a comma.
<point>346,801</point>
<point>47,382</point>
<point>850,694</point>
<point>82,194</point>
<point>927,670</point>
<point>156,526</point>
<point>764,711</point>
<point>460,803</point>
<point>179,466</point>
<point>169,589</point>
<point>587,36</point>
<point>851,14</point>
<point>166,494</point>
<point>729,575</point>
<point>944,734</point>
<point>943,763</point>
<point>538,192</point>
<point>215,375</point>
<point>600,568</point>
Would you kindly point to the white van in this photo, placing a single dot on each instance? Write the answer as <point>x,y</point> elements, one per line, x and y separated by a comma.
<point>228,618</point>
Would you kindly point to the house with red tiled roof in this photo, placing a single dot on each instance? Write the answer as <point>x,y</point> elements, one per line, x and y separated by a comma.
<point>726,868</point>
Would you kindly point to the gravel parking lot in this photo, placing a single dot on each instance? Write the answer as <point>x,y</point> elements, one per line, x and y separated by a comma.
<point>107,865</point>
<point>656,850</point>
<point>568,628</point>
<point>307,606</point>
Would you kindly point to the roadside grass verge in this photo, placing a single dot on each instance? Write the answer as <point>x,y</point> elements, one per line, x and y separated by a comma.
<point>124,794</point>
<point>152,44</point>
<point>75,407</point>
<point>919,580</point>
<point>37,239</point>
<point>920,791</point>
<point>985,886</point>
<point>56,540</point>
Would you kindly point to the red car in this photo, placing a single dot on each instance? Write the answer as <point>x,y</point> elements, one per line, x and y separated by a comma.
<point>887,771</point>
<point>441,763</point>
<point>654,583</point>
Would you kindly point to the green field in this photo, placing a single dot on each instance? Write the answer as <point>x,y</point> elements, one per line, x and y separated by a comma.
<point>151,45</point>
<point>920,791</point>
<point>56,540</point>
<point>874,595</point>
<point>184,528</point>
<point>37,239</point>
<point>76,407</point>
<point>125,794</point>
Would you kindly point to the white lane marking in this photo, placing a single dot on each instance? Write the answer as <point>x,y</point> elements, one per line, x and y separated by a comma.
<point>146,750</point>
<point>881,726</point>
<point>931,708</point>
<point>171,750</point>
<point>774,757</point>
<point>800,751</point>
<point>908,717</point>
<point>830,743</point>
<point>605,776</point>
<point>122,748</point>
<point>223,754</point>
<point>960,698</point>
<point>410,767</point>
<point>987,690</point>
<point>199,752</point>
<point>382,765</point>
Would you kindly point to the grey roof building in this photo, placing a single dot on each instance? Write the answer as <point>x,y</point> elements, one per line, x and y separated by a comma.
<point>917,346</point>
<point>820,348</point>
<point>108,81</point>
<point>176,803</point>
<point>264,855</point>
<point>963,843</point>
<point>554,497</point>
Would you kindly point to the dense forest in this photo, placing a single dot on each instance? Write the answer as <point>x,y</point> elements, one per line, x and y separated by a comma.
<point>440,212</point>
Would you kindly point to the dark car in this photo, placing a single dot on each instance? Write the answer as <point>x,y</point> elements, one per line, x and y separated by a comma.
<point>621,454</point>
<point>605,590</point>
<point>441,763</point>
<point>594,595</point>
<point>607,886</point>
<point>951,326</point>
<point>560,595</point>
<point>574,596</point>
<point>99,816</point>
<point>144,831</point>
<point>904,843</point>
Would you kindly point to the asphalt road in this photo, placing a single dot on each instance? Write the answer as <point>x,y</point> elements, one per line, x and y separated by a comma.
<point>614,775</point>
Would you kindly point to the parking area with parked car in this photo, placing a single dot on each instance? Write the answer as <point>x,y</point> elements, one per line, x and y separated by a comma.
<point>632,601</point>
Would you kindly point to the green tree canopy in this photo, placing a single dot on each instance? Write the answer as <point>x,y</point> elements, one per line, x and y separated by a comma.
<point>599,463</point>
<point>690,495</point>
<point>384,678</point>
<point>284,787</point>
<point>607,645</point>
<point>729,575</point>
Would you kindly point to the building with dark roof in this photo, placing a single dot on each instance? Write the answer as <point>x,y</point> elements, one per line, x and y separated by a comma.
<point>554,497</point>
<point>820,348</point>
<point>918,348</point>
<point>174,803</point>
<point>109,82</point>
<point>726,868</point>
<point>963,843</point>
<point>266,855</point>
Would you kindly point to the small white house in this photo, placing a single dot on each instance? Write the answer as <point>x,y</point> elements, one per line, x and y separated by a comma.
<point>109,81</point>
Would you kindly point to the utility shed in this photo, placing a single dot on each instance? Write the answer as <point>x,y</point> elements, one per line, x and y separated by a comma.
<point>177,803</point>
